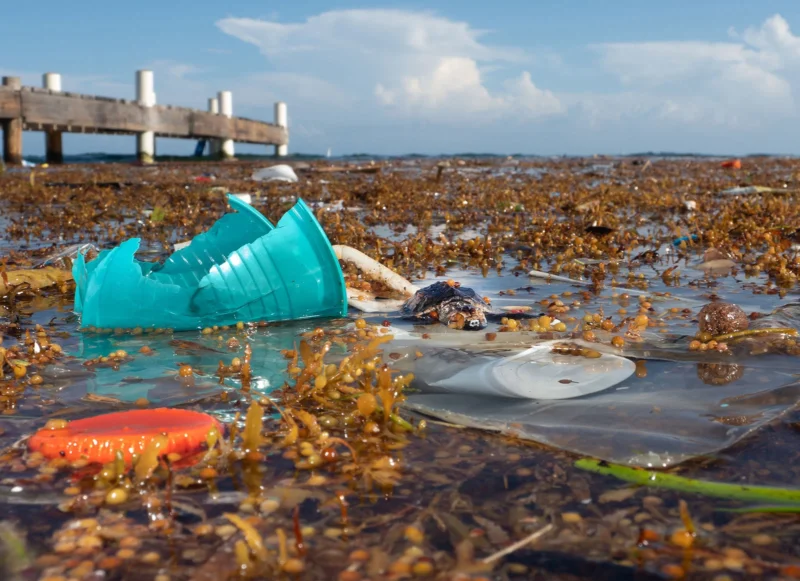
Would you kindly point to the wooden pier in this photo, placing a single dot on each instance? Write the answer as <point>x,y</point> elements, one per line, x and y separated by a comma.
<point>55,112</point>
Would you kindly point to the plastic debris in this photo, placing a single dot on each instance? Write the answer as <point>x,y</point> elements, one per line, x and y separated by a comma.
<point>540,372</point>
<point>246,198</point>
<point>679,241</point>
<point>275,173</point>
<point>748,190</point>
<point>99,438</point>
<point>732,164</point>
<point>633,423</point>
<point>679,404</point>
<point>242,269</point>
<point>58,258</point>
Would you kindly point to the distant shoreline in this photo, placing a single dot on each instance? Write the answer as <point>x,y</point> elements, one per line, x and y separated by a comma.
<point>126,158</point>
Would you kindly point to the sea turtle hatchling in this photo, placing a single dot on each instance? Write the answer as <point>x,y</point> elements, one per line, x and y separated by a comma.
<point>456,306</point>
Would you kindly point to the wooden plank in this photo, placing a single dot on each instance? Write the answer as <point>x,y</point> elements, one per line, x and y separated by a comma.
<point>247,131</point>
<point>84,113</point>
<point>69,110</point>
<point>169,121</point>
<point>10,107</point>
<point>208,125</point>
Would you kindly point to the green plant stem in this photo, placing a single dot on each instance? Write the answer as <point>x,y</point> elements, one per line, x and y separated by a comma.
<point>752,332</point>
<point>707,488</point>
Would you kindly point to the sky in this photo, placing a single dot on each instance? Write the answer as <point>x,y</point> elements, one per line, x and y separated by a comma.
<point>389,78</point>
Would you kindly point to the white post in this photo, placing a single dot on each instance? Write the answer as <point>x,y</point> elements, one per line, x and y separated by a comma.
<point>226,109</point>
<point>145,141</point>
<point>213,144</point>
<point>53,147</point>
<point>281,120</point>
<point>52,81</point>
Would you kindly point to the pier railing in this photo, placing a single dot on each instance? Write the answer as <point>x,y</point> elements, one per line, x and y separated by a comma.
<point>50,110</point>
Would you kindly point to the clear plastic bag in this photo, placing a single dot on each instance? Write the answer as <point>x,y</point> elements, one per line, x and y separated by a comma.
<point>677,406</point>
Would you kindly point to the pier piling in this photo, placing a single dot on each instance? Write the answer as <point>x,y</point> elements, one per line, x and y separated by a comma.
<point>226,110</point>
<point>146,140</point>
<point>12,129</point>
<point>281,120</point>
<point>53,144</point>
<point>213,144</point>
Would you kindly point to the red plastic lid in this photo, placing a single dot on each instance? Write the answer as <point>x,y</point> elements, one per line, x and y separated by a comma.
<point>98,438</point>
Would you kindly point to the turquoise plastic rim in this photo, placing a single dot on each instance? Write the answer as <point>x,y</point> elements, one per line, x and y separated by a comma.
<point>137,295</point>
<point>332,254</point>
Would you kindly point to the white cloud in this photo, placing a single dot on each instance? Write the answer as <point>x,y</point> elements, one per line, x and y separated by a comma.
<point>774,36</point>
<point>531,101</point>
<point>396,62</point>
<point>741,84</point>
<point>374,32</point>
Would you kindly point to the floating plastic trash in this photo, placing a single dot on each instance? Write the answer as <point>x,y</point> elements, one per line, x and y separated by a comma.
<point>58,258</point>
<point>99,438</point>
<point>246,198</point>
<point>242,269</point>
<point>534,373</point>
<point>732,164</point>
<point>692,238</point>
<point>679,404</point>
<point>748,190</point>
<point>276,173</point>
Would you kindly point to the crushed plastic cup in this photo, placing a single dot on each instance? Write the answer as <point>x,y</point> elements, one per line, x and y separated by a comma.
<point>242,269</point>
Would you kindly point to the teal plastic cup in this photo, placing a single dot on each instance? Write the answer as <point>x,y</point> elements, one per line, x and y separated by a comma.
<point>242,269</point>
<point>290,273</point>
<point>189,265</point>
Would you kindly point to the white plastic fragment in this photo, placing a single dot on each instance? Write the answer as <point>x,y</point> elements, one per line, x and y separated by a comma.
<point>534,373</point>
<point>747,190</point>
<point>246,198</point>
<point>275,173</point>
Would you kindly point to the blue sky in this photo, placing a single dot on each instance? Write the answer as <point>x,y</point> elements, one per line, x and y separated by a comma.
<point>578,77</point>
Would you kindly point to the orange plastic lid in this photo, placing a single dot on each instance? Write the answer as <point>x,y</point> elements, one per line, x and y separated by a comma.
<point>98,438</point>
